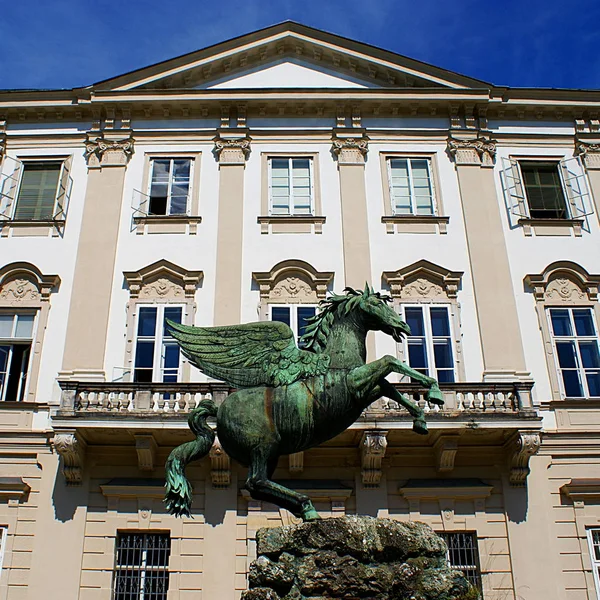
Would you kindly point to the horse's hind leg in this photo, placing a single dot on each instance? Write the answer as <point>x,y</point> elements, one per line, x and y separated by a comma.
<point>262,488</point>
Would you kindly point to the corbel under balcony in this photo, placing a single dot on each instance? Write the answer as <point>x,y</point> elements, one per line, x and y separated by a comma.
<point>373,445</point>
<point>220,466</point>
<point>146,448</point>
<point>520,448</point>
<point>71,449</point>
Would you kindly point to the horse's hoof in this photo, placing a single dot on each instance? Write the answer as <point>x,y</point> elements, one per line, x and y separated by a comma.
<point>420,426</point>
<point>310,514</point>
<point>435,396</point>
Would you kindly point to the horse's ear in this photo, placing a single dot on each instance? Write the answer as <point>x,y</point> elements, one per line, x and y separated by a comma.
<point>367,291</point>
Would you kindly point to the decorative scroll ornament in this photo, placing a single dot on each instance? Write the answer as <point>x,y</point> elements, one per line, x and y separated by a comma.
<point>293,289</point>
<point>19,291</point>
<point>564,290</point>
<point>564,281</point>
<point>422,288</point>
<point>105,152</point>
<point>350,149</point>
<point>72,451</point>
<point>423,279</point>
<point>524,446</point>
<point>162,288</point>
<point>478,151</point>
<point>373,446</point>
<point>589,152</point>
<point>232,150</point>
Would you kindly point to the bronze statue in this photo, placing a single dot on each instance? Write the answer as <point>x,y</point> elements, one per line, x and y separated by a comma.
<point>289,400</point>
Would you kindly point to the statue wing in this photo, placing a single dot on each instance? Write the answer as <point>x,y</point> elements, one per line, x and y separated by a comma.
<point>249,355</point>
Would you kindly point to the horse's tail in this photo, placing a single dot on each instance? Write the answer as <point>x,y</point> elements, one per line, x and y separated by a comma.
<point>178,497</point>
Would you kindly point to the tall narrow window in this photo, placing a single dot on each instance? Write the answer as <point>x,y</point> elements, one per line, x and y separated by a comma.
<point>544,190</point>
<point>38,190</point>
<point>463,555</point>
<point>430,344</point>
<point>294,315</point>
<point>291,186</point>
<point>157,355</point>
<point>593,536</point>
<point>575,337</point>
<point>16,335</point>
<point>411,187</point>
<point>142,566</point>
<point>169,186</point>
<point>3,536</point>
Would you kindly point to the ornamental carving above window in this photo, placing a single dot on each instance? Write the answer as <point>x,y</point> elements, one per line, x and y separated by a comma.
<point>163,280</point>
<point>423,280</point>
<point>22,284</point>
<point>564,281</point>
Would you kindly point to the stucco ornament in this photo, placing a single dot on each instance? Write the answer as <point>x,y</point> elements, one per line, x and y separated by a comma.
<point>19,291</point>
<point>289,400</point>
<point>564,289</point>
<point>162,288</point>
<point>292,288</point>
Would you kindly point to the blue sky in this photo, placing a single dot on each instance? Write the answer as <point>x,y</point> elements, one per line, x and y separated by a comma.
<point>520,43</point>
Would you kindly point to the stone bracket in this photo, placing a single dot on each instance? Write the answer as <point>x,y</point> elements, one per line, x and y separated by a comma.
<point>72,451</point>
<point>373,445</point>
<point>521,448</point>
<point>146,448</point>
<point>445,450</point>
<point>220,466</point>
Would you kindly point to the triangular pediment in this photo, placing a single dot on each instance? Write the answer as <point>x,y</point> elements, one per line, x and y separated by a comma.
<point>289,55</point>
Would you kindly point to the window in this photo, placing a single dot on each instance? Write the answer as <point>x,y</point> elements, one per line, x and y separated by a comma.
<point>42,191</point>
<point>593,536</point>
<point>294,315</point>
<point>411,186</point>
<point>169,189</point>
<point>157,355</point>
<point>575,338</point>
<point>544,190</point>
<point>463,555</point>
<point>16,335</point>
<point>142,566</point>
<point>430,344</point>
<point>3,535</point>
<point>291,187</point>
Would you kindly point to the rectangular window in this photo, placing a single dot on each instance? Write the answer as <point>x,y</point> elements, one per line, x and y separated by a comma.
<point>593,536</point>
<point>294,315</point>
<point>429,347</point>
<point>38,190</point>
<point>411,186</point>
<point>3,536</point>
<point>16,336</point>
<point>169,191</point>
<point>291,186</point>
<point>463,555</point>
<point>157,355</point>
<point>575,338</point>
<point>544,190</point>
<point>142,566</point>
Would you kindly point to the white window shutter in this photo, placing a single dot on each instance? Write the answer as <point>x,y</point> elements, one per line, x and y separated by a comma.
<point>514,190</point>
<point>140,203</point>
<point>9,185</point>
<point>63,193</point>
<point>574,180</point>
<point>270,179</point>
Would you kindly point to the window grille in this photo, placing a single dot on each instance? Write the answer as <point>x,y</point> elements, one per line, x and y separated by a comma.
<point>464,556</point>
<point>594,543</point>
<point>142,566</point>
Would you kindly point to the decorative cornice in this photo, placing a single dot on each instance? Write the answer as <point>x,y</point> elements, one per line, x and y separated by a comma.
<point>373,445</point>
<point>72,451</point>
<point>564,282</point>
<point>163,279</point>
<point>423,279</point>
<point>220,466</point>
<point>102,151</point>
<point>22,284</point>
<point>350,150</point>
<point>521,448</point>
<point>13,489</point>
<point>232,151</point>
<point>580,490</point>
<point>479,151</point>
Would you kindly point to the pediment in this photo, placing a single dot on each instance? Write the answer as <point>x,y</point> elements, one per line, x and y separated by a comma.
<point>289,55</point>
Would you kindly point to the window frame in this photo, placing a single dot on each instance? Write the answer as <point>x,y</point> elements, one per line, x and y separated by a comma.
<point>412,198</point>
<point>158,338</point>
<point>580,369</point>
<point>148,192</point>
<point>142,568</point>
<point>429,337</point>
<point>477,555</point>
<point>293,314</point>
<point>563,188</point>
<point>291,204</point>
<point>594,562</point>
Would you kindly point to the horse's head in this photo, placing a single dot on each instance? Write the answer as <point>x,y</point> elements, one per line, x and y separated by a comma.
<point>378,315</point>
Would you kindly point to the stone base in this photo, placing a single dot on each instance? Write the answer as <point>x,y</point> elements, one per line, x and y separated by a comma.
<point>354,558</point>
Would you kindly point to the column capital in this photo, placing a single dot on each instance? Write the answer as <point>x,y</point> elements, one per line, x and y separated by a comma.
<point>589,151</point>
<point>477,151</point>
<point>103,149</point>
<point>232,150</point>
<point>349,149</point>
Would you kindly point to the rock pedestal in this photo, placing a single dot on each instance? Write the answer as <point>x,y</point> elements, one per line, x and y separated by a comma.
<point>354,558</point>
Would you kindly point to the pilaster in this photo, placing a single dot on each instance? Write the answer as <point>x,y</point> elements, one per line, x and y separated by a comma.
<point>107,154</point>
<point>474,157</point>
<point>231,152</point>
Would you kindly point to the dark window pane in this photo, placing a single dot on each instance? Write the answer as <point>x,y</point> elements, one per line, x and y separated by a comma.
<point>544,191</point>
<point>147,321</point>
<point>440,327</point>
<point>144,354</point>
<point>173,313</point>
<point>158,202</point>
<point>567,358</point>
<point>171,356</point>
<point>572,384</point>
<point>445,376</point>
<point>304,313</point>
<point>584,323</point>
<point>17,376</point>
<point>414,319</point>
<point>590,358</point>
<point>561,324</point>
<point>417,354</point>
<point>160,170</point>
<point>442,352</point>
<point>181,168</point>
<point>280,313</point>
<point>593,381</point>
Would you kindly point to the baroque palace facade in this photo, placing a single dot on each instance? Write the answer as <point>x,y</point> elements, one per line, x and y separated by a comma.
<point>244,182</point>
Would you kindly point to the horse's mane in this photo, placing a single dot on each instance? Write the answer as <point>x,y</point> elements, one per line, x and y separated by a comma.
<point>317,332</point>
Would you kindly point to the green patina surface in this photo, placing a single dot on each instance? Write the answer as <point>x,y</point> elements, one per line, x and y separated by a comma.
<point>289,399</point>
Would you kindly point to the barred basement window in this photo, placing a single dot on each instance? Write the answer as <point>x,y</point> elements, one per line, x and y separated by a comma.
<point>464,556</point>
<point>142,566</point>
<point>594,542</point>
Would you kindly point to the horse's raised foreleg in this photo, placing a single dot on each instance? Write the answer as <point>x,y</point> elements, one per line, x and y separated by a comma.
<point>262,488</point>
<point>419,423</point>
